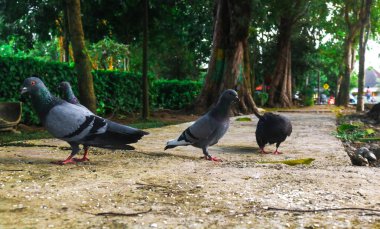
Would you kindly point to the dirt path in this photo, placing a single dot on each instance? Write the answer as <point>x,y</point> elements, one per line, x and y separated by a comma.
<point>177,189</point>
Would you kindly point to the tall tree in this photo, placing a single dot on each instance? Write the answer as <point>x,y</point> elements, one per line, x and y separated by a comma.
<point>145,89</point>
<point>229,63</point>
<point>352,11</point>
<point>280,93</point>
<point>363,38</point>
<point>66,35</point>
<point>81,59</point>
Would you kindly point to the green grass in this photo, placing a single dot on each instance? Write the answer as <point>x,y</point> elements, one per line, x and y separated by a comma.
<point>354,131</point>
<point>6,137</point>
<point>244,119</point>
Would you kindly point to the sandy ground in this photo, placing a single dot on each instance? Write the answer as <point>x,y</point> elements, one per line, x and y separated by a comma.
<point>177,189</point>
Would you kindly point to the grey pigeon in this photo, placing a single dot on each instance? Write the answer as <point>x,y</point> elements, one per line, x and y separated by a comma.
<point>67,93</point>
<point>76,124</point>
<point>272,128</point>
<point>69,96</point>
<point>209,128</point>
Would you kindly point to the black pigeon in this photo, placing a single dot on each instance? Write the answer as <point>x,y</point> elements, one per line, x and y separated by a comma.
<point>76,124</point>
<point>209,128</point>
<point>272,128</point>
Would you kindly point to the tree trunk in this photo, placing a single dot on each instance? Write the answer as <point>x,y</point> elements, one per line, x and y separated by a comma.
<point>82,62</point>
<point>350,11</point>
<point>229,62</point>
<point>344,89</point>
<point>145,89</point>
<point>280,93</point>
<point>66,34</point>
<point>364,33</point>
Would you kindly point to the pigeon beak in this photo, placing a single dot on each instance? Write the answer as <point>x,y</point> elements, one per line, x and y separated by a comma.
<point>24,90</point>
<point>237,99</point>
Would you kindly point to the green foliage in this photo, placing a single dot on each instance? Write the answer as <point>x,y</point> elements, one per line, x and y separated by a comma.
<point>260,98</point>
<point>116,92</point>
<point>308,96</point>
<point>107,48</point>
<point>354,80</point>
<point>46,51</point>
<point>353,131</point>
<point>175,94</point>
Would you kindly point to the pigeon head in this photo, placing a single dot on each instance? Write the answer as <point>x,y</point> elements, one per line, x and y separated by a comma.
<point>67,92</point>
<point>64,85</point>
<point>221,109</point>
<point>42,100</point>
<point>33,86</point>
<point>229,96</point>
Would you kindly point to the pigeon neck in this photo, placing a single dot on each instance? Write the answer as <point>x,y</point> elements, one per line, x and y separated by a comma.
<point>43,101</point>
<point>221,109</point>
<point>70,97</point>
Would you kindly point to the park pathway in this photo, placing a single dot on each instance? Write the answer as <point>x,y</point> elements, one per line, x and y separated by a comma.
<point>177,189</point>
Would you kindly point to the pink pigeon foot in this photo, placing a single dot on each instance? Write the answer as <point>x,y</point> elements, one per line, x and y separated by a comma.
<point>68,160</point>
<point>277,152</point>
<point>210,158</point>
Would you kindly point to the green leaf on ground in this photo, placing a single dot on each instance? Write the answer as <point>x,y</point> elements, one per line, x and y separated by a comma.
<point>244,119</point>
<point>303,161</point>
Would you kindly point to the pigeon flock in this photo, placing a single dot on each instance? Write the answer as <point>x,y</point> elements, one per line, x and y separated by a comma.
<point>68,120</point>
<point>75,124</point>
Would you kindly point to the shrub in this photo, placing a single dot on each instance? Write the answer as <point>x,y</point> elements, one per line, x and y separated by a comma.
<point>117,92</point>
<point>260,98</point>
<point>308,98</point>
<point>175,94</point>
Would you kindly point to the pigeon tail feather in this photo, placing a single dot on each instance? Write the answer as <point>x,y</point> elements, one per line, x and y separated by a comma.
<point>256,112</point>
<point>174,143</point>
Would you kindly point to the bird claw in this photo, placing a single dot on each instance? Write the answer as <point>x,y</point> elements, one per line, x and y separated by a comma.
<point>277,152</point>
<point>83,159</point>
<point>210,158</point>
<point>264,152</point>
<point>67,161</point>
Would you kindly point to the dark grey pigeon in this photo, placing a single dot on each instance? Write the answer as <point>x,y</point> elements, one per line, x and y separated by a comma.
<point>69,96</point>
<point>67,93</point>
<point>76,124</point>
<point>272,128</point>
<point>209,128</point>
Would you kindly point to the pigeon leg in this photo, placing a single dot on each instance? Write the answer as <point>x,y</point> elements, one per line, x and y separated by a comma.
<point>84,158</point>
<point>276,152</point>
<point>262,151</point>
<point>209,157</point>
<point>74,150</point>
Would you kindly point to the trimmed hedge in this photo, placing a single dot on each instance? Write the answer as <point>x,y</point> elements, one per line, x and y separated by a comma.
<point>118,92</point>
<point>175,94</point>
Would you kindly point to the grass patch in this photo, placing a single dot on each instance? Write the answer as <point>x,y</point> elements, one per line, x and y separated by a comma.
<point>7,137</point>
<point>353,131</point>
<point>244,119</point>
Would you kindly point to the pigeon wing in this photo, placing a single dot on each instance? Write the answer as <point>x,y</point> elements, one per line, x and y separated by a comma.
<point>201,130</point>
<point>70,122</point>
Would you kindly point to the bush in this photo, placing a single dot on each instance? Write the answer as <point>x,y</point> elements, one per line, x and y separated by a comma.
<point>308,97</point>
<point>175,94</point>
<point>118,92</point>
<point>260,98</point>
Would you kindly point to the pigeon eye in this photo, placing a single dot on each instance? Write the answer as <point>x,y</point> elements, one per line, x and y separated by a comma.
<point>33,83</point>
